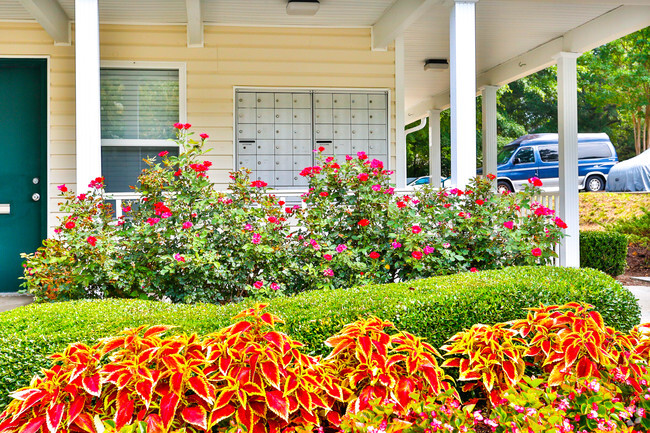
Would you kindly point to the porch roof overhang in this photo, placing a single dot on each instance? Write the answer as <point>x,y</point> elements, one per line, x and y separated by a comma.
<point>514,37</point>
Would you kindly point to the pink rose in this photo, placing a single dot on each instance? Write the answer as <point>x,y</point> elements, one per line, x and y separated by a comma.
<point>187,224</point>
<point>179,258</point>
<point>428,249</point>
<point>416,229</point>
<point>256,238</point>
<point>509,224</point>
<point>341,247</point>
<point>536,252</point>
<point>376,188</point>
<point>258,284</point>
<point>328,272</point>
<point>275,286</point>
<point>396,245</point>
<point>327,257</point>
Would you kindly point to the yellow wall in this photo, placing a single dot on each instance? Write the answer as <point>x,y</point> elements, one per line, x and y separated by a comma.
<point>232,56</point>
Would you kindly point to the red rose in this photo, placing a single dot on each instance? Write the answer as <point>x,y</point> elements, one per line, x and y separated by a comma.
<point>327,257</point>
<point>321,149</point>
<point>416,229</point>
<point>473,270</point>
<point>187,126</point>
<point>363,177</point>
<point>92,240</point>
<point>324,194</point>
<point>163,154</point>
<point>401,204</point>
<point>178,173</point>
<point>491,176</point>
<point>364,222</point>
<point>63,188</point>
<point>535,181</point>
<point>417,255</point>
<point>70,225</point>
<point>204,136</point>
<point>479,202</point>
<point>374,255</point>
<point>536,252</point>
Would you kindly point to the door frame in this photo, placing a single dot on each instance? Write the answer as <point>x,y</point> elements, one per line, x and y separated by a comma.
<point>44,229</point>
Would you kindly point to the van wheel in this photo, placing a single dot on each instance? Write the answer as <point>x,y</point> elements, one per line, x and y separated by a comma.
<point>594,183</point>
<point>503,186</point>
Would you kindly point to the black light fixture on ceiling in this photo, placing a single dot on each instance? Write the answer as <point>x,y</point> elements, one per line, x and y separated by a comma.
<point>436,64</point>
<point>302,7</point>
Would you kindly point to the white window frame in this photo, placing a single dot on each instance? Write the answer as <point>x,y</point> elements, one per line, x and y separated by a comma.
<point>386,90</point>
<point>182,97</point>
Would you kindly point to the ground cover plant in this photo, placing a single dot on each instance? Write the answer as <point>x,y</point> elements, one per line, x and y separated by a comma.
<point>434,308</point>
<point>579,375</point>
<point>186,242</point>
<point>598,210</point>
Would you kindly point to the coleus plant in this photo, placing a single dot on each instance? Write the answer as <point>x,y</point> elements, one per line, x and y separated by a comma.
<point>572,339</point>
<point>249,376</point>
<point>487,356</point>
<point>376,365</point>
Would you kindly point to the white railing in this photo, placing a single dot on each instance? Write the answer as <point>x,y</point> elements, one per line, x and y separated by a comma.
<point>120,198</point>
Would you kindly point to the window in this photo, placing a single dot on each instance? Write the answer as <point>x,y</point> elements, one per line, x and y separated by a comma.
<point>506,153</point>
<point>548,153</point>
<point>594,150</point>
<point>525,156</point>
<point>138,109</point>
<point>277,132</point>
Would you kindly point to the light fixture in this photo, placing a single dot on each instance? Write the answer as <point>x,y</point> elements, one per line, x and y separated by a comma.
<point>302,7</point>
<point>435,64</point>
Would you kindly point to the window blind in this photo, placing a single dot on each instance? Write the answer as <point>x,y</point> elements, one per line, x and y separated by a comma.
<point>138,104</point>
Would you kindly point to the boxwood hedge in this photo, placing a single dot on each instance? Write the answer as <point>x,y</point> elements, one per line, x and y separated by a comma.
<point>605,251</point>
<point>435,308</point>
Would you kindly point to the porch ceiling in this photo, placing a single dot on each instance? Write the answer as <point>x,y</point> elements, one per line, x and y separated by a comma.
<point>505,29</point>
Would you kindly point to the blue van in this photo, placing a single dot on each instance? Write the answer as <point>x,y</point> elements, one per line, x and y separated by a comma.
<point>537,155</point>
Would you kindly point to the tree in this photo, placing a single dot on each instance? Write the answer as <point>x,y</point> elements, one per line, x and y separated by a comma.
<point>618,78</point>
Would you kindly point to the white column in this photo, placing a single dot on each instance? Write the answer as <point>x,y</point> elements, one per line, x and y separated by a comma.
<point>567,109</point>
<point>400,136</point>
<point>462,72</point>
<point>489,114</point>
<point>88,117</point>
<point>435,170</point>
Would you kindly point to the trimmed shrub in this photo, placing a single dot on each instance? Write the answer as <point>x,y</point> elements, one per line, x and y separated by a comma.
<point>434,308</point>
<point>605,251</point>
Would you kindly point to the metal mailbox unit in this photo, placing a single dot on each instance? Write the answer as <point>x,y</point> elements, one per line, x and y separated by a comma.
<point>276,132</point>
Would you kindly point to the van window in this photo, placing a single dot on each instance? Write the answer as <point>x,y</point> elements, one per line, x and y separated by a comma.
<point>548,153</point>
<point>525,156</point>
<point>506,153</point>
<point>594,150</point>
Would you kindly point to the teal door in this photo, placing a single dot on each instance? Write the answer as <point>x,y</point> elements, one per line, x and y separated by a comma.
<point>23,171</point>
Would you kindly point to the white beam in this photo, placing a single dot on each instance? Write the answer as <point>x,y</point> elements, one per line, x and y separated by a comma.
<point>400,135</point>
<point>51,16</point>
<point>435,169</point>
<point>462,74</point>
<point>489,117</point>
<point>88,117</point>
<point>194,24</point>
<point>567,108</point>
<point>396,19</point>
<point>606,28</point>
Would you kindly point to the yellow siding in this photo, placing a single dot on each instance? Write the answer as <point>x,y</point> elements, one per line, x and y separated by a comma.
<point>232,56</point>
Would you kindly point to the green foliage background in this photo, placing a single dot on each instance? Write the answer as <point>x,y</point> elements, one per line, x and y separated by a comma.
<point>613,88</point>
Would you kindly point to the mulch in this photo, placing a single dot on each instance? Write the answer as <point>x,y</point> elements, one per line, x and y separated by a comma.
<point>638,265</point>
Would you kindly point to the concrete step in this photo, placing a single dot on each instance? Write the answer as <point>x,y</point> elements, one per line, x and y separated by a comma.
<point>9,301</point>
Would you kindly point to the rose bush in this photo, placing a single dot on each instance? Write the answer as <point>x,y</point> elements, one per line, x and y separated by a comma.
<point>184,241</point>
